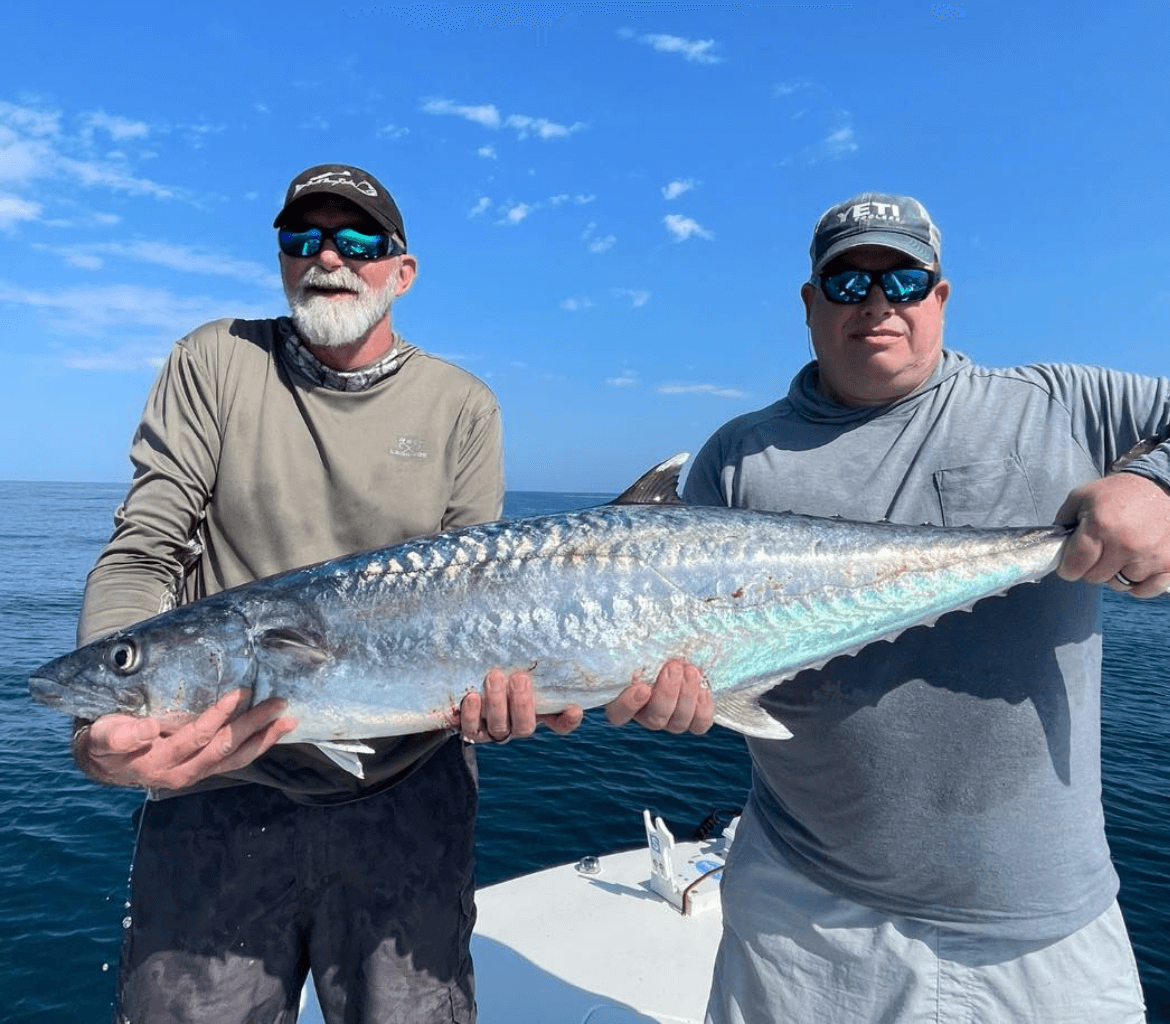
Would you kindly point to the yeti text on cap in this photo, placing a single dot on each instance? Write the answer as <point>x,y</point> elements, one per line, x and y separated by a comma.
<point>870,211</point>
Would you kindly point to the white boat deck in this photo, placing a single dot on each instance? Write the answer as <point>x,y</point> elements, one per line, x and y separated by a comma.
<point>562,946</point>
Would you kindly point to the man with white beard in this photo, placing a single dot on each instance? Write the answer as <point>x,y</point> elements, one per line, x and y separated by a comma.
<point>265,445</point>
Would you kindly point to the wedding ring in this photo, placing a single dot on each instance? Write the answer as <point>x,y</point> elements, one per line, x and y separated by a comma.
<point>1124,580</point>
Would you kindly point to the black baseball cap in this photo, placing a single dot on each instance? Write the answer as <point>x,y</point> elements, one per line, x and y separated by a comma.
<point>876,218</point>
<point>350,183</point>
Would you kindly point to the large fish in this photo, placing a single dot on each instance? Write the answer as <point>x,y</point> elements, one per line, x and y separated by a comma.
<point>389,641</point>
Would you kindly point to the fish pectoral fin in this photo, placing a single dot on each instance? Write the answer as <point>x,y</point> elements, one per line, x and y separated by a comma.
<point>298,644</point>
<point>742,712</point>
<point>344,754</point>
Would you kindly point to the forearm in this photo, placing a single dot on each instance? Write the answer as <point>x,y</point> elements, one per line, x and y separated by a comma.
<point>140,571</point>
<point>119,594</point>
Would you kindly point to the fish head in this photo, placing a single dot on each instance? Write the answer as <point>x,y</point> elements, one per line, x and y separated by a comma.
<point>170,667</point>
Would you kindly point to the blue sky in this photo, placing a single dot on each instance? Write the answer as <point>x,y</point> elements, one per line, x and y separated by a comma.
<point>610,202</point>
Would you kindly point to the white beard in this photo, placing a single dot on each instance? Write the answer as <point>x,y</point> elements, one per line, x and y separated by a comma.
<point>325,323</point>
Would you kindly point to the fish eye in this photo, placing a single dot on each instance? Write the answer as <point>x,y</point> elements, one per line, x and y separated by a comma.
<point>123,657</point>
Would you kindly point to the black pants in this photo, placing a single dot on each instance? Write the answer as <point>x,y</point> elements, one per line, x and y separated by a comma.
<point>238,892</point>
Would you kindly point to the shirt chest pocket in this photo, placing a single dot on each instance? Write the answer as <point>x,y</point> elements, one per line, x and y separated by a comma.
<point>991,493</point>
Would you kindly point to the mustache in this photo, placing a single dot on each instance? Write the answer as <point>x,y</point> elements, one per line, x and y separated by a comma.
<point>341,279</point>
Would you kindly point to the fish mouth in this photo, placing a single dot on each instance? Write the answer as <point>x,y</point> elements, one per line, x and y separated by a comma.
<point>85,700</point>
<point>47,691</point>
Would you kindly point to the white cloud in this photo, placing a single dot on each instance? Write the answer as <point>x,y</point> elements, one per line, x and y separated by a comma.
<point>839,142</point>
<point>628,379</point>
<point>698,51</point>
<point>118,128</point>
<point>392,131</point>
<point>701,389</point>
<point>814,105</point>
<point>541,127</point>
<point>93,174</point>
<point>122,308</point>
<point>22,159</point>
<point>13,209</point>
<point>125,359</point>
<point>30,120</point>
<point>485,114</point>
<point>487,152</point>
<point>516,213</point>
<point>638,297</point>
<point>595,242</point>
<point>782,89</point>
<point>677,188</point>
<point>186,259</point>
<point>576,305</point>
<point>83,260</point>
<point>684,227</point>
<point>86,219</point>
<point>488,115</point>
<point>33,146</point>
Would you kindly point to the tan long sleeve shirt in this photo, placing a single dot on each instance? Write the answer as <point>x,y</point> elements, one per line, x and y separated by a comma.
<point>245,467</point>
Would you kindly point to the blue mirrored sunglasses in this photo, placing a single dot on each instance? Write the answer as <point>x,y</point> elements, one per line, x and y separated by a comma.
<point>906,284</point>
<point>351,243</point>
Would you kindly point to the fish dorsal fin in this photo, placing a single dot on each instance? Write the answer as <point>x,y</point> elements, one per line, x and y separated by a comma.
<point>657,487</point>
<point>298,644</point>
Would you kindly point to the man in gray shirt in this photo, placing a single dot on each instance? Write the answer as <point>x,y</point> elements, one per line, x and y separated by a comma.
<point>930,843</point>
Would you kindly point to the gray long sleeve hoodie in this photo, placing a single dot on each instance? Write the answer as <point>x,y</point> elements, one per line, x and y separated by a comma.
<point>953,775</point>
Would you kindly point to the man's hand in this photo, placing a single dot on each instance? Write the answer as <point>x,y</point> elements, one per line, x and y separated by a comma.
<point>508,708</point>
<point>123,750</point>
<point>679,701</point>
<point>1122,526</point>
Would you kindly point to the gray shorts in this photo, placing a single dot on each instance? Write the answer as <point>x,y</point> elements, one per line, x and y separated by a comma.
<point>794,953</point>
<point>238,892</point>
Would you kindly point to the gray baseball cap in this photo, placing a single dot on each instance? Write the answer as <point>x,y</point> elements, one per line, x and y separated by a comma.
<point>876,218</point>
<point>350,183</point>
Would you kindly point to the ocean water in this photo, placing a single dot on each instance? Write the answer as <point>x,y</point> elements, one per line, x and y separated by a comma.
<point>66,845</point>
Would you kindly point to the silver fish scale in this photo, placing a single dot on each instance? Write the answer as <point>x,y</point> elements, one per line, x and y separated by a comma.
<point>583,599</point>
<point>387,642</point>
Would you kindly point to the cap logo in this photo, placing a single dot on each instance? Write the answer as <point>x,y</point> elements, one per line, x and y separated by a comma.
<point>870,211</point>
<point>339,178</point>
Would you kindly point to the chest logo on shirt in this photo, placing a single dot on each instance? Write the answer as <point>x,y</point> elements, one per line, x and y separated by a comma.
<point>410,448</point>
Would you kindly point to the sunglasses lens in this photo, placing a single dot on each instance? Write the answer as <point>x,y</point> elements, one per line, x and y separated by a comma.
<point>300,243</point>
<point>907,285</point>
<point>352,244</point>
<point>357,245</point>
<point>849,286</point>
